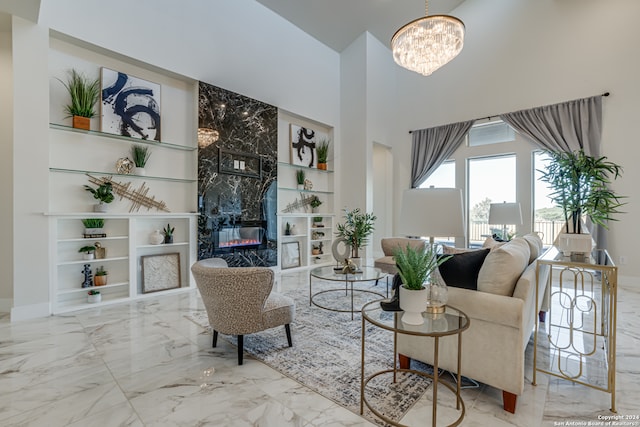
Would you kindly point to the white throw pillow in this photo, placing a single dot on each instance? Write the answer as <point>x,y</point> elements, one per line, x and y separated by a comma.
<point>535,246</point>
<point>503,266</point>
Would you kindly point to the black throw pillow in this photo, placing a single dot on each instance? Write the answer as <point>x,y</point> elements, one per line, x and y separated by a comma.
<point>461,270</point>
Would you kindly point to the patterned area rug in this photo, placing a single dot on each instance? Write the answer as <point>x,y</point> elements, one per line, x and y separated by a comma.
<point>326,352</point>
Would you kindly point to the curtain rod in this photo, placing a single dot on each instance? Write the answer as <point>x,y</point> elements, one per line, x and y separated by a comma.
<point>498,115</point>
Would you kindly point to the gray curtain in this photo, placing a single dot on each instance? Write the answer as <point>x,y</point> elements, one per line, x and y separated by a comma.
<point>431,147</point>
<point>569,126</point>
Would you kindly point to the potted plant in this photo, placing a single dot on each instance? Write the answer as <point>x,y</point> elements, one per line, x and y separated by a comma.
<point>103,194</point>
<point>140,154</point>
<point>100,277</point>
<point>317,222</point>
<point>300,175</point>
<point>168,233</point>
<point>88,251</point>
<point>315,203</point>
<point>322,150</point>
<point>579,185</point>
<point>84,94</point>
<point>419,292</point>
<point>93,226</point>
<point>94,296</point>
<point>356,229</point>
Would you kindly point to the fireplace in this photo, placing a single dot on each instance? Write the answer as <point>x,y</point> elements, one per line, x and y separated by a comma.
<point>238,237</point>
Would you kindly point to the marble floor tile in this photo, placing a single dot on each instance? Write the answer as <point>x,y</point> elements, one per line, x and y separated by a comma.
<point>143,363</point>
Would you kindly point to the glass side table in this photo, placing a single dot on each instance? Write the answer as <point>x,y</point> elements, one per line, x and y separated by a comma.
<point>451,322</point>
<point>328,273</point>
<point>581,322</point>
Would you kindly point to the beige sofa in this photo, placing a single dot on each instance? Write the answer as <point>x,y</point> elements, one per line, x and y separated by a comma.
<point>502,317</point>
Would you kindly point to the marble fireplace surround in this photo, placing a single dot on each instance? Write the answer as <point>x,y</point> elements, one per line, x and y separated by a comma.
<point>237,178</point>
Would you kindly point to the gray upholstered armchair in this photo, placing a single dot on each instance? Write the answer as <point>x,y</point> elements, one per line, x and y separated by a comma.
<point>387,263</point>
<point>239,301</point>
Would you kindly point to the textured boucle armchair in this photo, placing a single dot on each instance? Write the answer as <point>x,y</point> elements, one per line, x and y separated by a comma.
<point>239,301</point>
<point>390,244</point>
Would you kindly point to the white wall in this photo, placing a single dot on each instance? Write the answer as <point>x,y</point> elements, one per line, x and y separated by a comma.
<point>523,54</point>
<point>6,169</point>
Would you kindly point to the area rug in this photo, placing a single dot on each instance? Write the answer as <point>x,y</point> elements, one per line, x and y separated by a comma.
<point>326,352</point>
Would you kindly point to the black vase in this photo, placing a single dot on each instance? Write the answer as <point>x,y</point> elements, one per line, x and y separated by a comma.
<point>168,239</point>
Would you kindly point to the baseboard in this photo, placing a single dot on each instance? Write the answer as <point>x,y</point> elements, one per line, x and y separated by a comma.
<point>5,305</point>
<point>32,311</point>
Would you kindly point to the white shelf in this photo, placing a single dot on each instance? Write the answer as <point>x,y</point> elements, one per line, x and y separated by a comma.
<point>84,239</point>
<point>90,261</point>
<point>163,245</point>
<point>96,288</point>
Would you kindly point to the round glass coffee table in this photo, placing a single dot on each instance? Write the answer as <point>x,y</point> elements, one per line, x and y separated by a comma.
<point>451,322</point>
<point>328,273</point>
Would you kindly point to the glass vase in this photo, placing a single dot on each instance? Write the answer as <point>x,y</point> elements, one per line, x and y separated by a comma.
<point>437,295</point>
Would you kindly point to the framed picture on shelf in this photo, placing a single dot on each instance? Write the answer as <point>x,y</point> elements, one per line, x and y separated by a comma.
<point>303,145</point>
<point>130,106</point>
<point>290,255</point>
<point>160,272</point>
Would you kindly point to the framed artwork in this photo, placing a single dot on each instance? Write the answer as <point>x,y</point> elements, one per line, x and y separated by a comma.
<point>290,255</point>
<point>303,145</point>
<point>130,106</point>
<point>160,272</point>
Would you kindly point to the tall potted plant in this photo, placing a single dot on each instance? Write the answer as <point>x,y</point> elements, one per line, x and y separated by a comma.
<point>140,154</point>
<point>579,185</point>
<point>84,94</point>
<point>356,230</point>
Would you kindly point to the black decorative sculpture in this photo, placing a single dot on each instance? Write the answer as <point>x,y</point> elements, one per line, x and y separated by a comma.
<point>88,280</point>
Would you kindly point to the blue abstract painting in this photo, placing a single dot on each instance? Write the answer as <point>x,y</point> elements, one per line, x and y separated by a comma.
<point>130,106</point>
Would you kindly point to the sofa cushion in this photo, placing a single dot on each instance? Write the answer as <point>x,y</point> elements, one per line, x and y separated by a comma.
<point>449,250</point>
<point>491,243</point>
<point>503,266</point>
<point>535,245</point>
<point>461,270</point>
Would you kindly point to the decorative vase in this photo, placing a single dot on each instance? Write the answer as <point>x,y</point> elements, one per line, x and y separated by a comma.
<point>100,280</point>
<point>437,295</point>
<point>168,239</point>
<point>140,171</point>
<point>156,238</point>
<point>322,166</point>
<point>88,256</point>
<point>358,262</point>
<point>100,207</point>
<point>300,187</point>
<point>413,303</point>
<point>80,122</point>
<point>92,299</point>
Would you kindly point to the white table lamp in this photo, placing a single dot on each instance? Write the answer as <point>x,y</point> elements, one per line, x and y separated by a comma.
<point>505,213</point>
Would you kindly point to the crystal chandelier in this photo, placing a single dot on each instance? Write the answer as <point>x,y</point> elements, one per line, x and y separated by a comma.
<point>426,44</point>
<point>207,136</point>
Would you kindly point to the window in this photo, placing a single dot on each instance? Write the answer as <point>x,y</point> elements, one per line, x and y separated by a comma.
<point>548,217</point>
<point>491,180</point>
<point>443,177</point>
<point>490,133</point>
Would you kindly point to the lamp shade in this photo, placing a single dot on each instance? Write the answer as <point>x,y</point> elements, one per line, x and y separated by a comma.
<point>505,213</point>
<point>432,212</point>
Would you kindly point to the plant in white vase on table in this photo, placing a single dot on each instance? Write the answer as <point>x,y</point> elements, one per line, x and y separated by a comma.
<point>579,185</point>
<point>420,290</point>
<point>356,229</point>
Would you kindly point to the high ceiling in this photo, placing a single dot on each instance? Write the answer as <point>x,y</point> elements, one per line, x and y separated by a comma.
<point>337,23</point>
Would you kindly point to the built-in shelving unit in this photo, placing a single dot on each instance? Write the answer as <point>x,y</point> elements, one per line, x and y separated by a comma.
<point>310,234</point>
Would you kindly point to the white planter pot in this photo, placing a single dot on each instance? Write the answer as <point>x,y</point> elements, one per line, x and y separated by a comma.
<point>575,243</point>
<point>88,256</point>
<point>100,207</point>
<point>94,231</point>
<point>140,171</point>
<point>92,299</point>
<point>413,303</point>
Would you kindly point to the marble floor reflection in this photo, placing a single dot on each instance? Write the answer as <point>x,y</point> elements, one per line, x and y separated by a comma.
<point>144,364</point>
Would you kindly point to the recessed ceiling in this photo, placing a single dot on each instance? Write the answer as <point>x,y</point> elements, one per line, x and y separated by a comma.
<point>337,23</point>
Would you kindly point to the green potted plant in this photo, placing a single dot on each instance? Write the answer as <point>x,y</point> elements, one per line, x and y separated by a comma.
<point>88,251</point>
<point>140,154</point>
<point>317,222</point>
<point>579,185</point>
<point>300,175</point>
<point>168,234</point>
<point>84,94</point>
<point>419,291</point>
<point>100,277</point>
<point>93,296</point>
<point>93,226</point>
<point>322,150</point>
<point>103,193</point>
<point>356,229</point>
<point>315,203</point>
